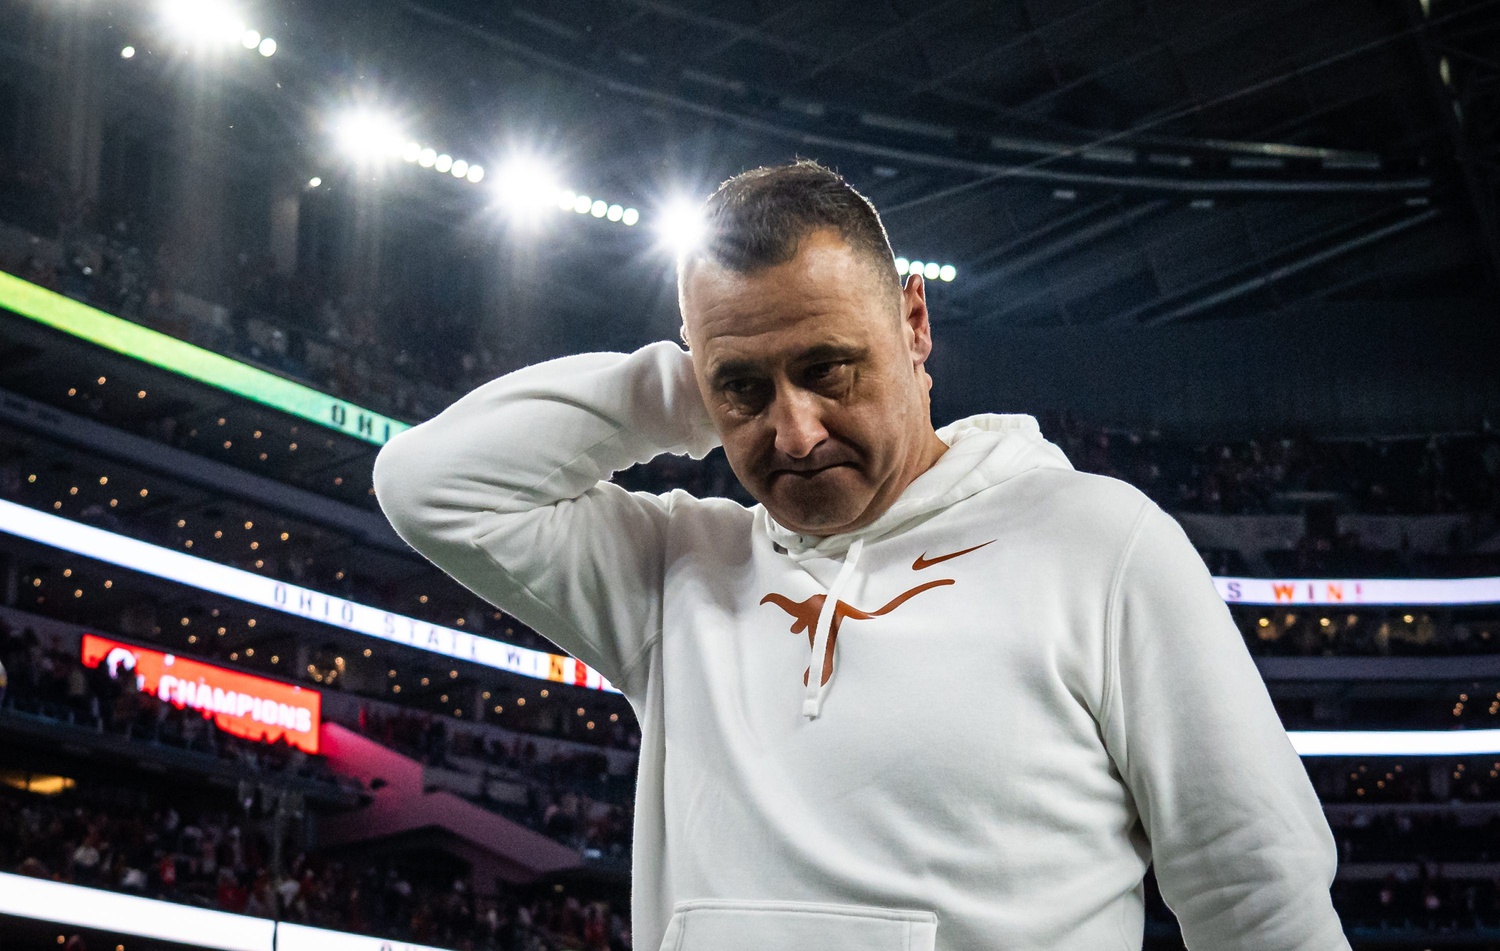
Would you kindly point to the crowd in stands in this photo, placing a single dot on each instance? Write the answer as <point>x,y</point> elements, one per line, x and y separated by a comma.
<point>355,350</point>
<point>1276,472</point>
<point>55,685</point>
<point>226,860</point>
<point>1421,898</point>
<point>1310,632</point>
<point>1272,474</point>
<point>1400,836</point>
<point>571,796</point>
<point>571,793</point>
<point>1418,780</point>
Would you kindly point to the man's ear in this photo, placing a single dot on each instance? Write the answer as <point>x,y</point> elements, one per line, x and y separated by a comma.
<point>914,318</point>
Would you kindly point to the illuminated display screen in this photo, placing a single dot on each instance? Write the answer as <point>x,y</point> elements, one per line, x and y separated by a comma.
<point>1395,742</point>
<point>241,704</point>
<point>254,589</point>
<point>1390,592</point>
<point>167,352</point>
<point>119,914</point>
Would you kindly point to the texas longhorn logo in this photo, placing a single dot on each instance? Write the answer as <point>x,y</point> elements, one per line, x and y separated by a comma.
<point>805,613</point>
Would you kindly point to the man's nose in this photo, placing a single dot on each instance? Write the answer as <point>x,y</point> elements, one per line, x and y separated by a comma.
<point>797,418</point>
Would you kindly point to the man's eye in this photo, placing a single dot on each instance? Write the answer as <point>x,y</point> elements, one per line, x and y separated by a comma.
<point>824,371</point>
<point>739,387</point>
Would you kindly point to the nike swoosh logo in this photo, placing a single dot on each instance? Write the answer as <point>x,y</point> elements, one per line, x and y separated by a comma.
<point>924,562</point>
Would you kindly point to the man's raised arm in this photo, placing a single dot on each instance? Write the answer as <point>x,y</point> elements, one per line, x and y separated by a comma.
<point>503,491</point>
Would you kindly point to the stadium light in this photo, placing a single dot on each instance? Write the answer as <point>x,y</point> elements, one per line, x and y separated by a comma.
<point>127,53</point>
<point>930,270</point>
<point>415,153</point>
<point>203,21</point>
<point>267,47</point>
<point>681,226</point>
<point>524,186</point>
<point>366,135</point>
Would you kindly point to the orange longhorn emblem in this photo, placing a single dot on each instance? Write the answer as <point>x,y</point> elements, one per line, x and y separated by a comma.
<point>805,617</point>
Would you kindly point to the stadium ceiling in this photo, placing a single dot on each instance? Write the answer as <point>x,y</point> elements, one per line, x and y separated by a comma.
<point>1103,162</point>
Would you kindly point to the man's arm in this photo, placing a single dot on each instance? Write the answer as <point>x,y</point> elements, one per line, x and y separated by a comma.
<point>1242,851</point>
<point>504,491</point>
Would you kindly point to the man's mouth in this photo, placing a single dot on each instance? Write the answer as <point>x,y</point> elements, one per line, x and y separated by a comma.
<point>806,473</point>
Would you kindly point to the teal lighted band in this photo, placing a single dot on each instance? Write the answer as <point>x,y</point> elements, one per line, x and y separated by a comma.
<point>167,352</point>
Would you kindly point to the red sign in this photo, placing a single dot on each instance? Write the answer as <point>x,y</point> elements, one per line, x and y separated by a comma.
<point>241,704</point>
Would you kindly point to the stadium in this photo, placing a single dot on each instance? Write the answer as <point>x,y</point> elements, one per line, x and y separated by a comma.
<point>1241,258</point>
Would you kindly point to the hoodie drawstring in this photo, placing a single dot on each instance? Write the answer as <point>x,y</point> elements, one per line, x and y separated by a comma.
<point>812,700</point>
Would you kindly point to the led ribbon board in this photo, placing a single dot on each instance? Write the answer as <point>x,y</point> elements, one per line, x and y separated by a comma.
<point>167,352</point>
<point>241,704</point>
<point>117,914</point>
<point>1395,742</point>
<point>1390,592</point>
<point>81,907</point>
<point>251,588</point>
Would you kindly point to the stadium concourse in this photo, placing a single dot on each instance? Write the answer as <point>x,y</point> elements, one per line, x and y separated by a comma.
<point>1249,269</point>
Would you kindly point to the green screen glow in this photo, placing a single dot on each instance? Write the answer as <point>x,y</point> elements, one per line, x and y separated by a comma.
<point>179,356</point>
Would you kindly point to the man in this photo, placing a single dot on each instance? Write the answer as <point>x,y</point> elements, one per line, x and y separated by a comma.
<point>936,691</point>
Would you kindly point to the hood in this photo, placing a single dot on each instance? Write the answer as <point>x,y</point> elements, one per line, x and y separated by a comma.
<point>982,451</point>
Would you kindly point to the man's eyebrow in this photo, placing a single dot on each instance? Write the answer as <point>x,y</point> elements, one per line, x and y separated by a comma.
<point>831,351</point>
<point>727,369</point>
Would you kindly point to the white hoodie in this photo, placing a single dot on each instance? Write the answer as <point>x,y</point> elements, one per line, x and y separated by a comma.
<point>1036,690</point>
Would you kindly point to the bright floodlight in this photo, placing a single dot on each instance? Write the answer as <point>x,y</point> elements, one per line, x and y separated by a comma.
<point>948,272</point>
<point>476,174</point>
<point>367,136</point>
<point>127,52</point>
<point>203,21</point>
<point>250,40</point>
<point>525,186</point>
<point>582,203</point>
<point>268,47</point>
<point>681,226</point>
<point>460,168</point>
<point>314,182</point>
<point>931,271</point>
<point>599,209</point>
<point>411,151</point>
<point>630,217</point>
<point>443,163</point>
<point>901,265</point>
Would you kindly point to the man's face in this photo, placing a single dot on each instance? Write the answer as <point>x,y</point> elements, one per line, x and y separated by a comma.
<point>813,372</point>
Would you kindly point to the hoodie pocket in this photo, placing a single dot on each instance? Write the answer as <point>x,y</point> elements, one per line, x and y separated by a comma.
<point>714,924</point>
